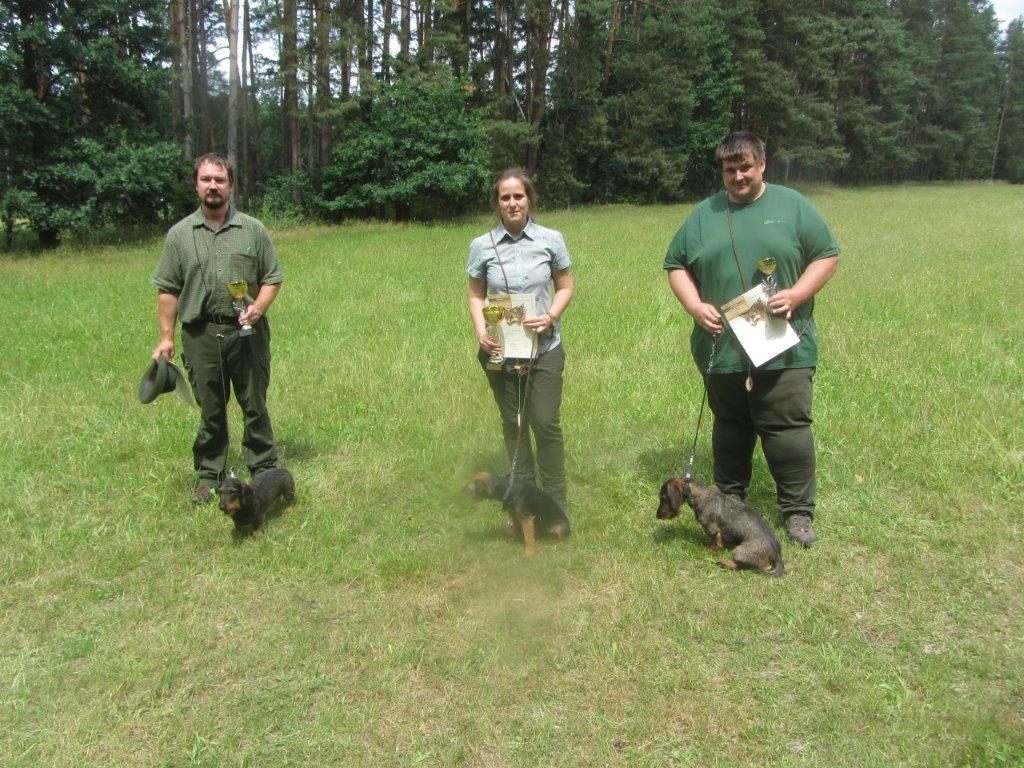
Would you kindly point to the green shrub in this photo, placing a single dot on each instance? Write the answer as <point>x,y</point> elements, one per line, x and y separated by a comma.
<point>414,149</point>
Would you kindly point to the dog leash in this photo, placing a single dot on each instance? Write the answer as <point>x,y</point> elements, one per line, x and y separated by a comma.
<point>522,395</point>
<point>522,390</point>
<point>688,476</point>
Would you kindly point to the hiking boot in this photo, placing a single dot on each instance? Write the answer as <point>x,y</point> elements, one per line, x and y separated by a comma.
<point>203,494</point>
<point>798,526</point>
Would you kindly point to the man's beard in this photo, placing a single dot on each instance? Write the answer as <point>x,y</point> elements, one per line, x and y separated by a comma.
<point>216,203</point>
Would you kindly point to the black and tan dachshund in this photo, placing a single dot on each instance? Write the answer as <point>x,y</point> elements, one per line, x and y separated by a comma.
<point>729,522</point>
<point>247,505</point>
<point>531,512</point>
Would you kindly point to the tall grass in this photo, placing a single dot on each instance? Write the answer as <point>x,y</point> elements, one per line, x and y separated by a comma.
<point>387,621</point>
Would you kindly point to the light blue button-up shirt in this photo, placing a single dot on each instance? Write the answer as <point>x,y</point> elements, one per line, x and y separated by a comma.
<point>529,264</point>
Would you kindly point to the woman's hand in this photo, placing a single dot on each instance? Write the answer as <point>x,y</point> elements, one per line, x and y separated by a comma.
<point>540,323</point>
<point>487,344</point>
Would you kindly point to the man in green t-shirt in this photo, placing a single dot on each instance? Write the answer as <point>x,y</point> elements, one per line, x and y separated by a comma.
<point>713,259</point>
<point>204,252</point>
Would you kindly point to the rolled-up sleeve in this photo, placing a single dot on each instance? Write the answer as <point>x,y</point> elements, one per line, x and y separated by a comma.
<point>270,270</point>
<point>169,276</point>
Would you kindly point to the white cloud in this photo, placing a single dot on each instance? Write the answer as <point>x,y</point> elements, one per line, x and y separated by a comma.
<point>1008,10</point>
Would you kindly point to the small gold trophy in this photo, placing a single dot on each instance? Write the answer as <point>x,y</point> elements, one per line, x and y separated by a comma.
<point>767,266</point>
<point>238,289</point>
<point>493,313</point>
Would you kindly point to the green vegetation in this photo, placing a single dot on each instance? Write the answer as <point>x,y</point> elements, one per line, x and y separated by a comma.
<point>416,151</point>
<point>363,108</point>
<point>387,621</point>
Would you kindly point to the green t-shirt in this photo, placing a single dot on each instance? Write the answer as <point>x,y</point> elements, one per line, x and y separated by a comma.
<point>782,224</point>
<point>198,263</point>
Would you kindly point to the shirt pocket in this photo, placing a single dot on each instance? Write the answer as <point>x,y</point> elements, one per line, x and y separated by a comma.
<point>243,266</point>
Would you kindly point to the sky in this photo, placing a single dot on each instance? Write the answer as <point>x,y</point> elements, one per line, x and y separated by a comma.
<point>1008,10</point>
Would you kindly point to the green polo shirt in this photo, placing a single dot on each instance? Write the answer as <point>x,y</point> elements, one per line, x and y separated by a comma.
<point>781,224</point>
<point>198,263</point>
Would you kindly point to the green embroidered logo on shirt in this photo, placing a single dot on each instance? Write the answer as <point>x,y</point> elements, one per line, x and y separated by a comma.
<point>774,221</point>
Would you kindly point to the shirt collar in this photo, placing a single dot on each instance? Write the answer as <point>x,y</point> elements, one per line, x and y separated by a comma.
<point>198,220</point>
<point>500,233</point>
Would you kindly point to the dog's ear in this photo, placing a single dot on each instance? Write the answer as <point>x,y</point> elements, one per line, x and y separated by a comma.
<point>676,493</point>
<point>669,499</point>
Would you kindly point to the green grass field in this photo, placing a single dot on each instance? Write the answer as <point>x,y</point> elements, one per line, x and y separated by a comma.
<point>387,621</point>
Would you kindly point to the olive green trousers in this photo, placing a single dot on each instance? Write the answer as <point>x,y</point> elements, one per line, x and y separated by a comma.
<point>542,419</point>
<point>220,362</point>
<point>778,411</point>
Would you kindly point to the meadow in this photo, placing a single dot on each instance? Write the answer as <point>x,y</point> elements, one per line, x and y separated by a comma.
<point>387,621</point>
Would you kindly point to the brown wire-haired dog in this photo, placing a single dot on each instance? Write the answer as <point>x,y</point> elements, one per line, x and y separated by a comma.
<point>729,522</point>
<point>531,512</point>
<point>247,505</point>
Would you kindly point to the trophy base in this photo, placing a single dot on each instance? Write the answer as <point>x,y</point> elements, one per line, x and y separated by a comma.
<point>245,330</point>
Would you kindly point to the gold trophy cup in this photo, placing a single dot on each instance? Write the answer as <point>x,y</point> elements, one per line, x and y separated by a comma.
<point>493,313</point>
<point>767,267</point>
<point>238,289</point>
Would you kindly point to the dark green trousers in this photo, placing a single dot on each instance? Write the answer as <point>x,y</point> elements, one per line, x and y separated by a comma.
<point>542,419</point>
<point>777,410</point>
<point>219,362</point>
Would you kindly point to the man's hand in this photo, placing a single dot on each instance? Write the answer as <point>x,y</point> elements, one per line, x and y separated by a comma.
<point>250,316</point>
<point>164,349</point>
<point>782,303</point>
<point>818,272</point>
<point>709,318</point>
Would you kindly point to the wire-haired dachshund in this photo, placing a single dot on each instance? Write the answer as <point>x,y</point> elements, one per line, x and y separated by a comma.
<point>531,512</point>
<point>729,522</point>
<point>247,505</point>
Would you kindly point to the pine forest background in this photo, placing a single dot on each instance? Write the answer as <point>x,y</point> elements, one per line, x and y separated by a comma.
<point>402,109</point>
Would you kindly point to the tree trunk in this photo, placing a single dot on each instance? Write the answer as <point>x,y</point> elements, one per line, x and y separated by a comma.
<point>405,36</point>
<point>425,30</point>
<point>253,155</point>
<point>204,78</point>
<point>369,37</point>
<point>541,23</point>
<point>346,61</point>
<point>1002,118</point>
<point>313,117</point>
<point>503,51</point>
<point>613,30</point>
<point>176,15</point>
<point>245,166</point>
<point>289,73</point>
<point>323,80</point>
<point>388,9</point>
<point>234,86</point>
<point>359,25</point>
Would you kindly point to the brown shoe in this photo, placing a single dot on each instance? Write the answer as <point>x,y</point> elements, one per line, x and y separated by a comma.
<point>203,494</point>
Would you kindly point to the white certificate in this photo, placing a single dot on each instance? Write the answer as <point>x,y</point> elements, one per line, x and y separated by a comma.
<point>518,341</point>
<point>761,334</point>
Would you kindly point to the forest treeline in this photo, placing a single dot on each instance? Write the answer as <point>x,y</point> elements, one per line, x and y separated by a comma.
<point>403,108</point>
